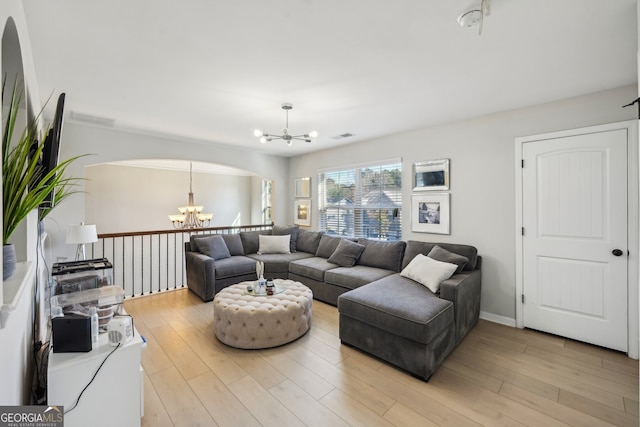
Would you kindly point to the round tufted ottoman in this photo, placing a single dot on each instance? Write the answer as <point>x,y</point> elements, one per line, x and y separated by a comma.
<point>252,322</point>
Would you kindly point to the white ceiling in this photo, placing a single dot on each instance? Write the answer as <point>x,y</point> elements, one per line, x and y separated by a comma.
<point>215,70</point>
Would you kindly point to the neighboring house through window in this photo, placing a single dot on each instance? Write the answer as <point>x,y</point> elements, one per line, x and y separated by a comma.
<point>362,200</point>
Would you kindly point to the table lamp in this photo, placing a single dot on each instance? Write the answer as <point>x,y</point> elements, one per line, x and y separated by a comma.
<point>81,234</point>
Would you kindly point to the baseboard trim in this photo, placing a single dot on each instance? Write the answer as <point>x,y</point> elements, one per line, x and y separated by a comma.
<point>498,319</point>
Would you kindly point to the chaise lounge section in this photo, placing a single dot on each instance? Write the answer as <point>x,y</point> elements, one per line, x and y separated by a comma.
<point>406,324</point>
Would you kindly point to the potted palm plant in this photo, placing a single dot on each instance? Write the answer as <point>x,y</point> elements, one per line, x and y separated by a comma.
<point>24,185</point>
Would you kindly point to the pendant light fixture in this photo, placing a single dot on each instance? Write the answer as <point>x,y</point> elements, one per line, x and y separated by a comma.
<point>191,216</point>
<point>288,138</point>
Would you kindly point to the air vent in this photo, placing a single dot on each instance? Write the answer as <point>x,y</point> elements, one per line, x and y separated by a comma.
<point>342,136</point>
<point>89,118</point>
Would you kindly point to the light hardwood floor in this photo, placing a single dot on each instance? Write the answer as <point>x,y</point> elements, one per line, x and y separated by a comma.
<point>497,376</point>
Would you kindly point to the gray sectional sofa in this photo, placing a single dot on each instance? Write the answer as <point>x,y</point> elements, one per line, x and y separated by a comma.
<point>385,309</point>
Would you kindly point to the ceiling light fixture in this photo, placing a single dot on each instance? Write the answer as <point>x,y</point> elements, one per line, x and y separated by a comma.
<point>475,16</point>
<point>267,137</point>
<point>190,216</point>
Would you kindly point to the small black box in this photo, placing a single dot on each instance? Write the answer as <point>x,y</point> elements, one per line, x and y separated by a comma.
<point>71,334</point>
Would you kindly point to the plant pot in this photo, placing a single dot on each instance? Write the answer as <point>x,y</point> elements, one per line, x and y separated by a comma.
<point>8,261</point>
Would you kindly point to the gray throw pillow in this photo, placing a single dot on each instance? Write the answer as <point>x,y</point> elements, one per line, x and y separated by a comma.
<point>441,254</point>
<point>327,245</point>
<point>292,230</point>
<point>346,253</point>
<point>214,246</point>
<point>194,241</point>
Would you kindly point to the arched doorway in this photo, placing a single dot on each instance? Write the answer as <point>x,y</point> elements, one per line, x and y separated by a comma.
<point>146,191</point>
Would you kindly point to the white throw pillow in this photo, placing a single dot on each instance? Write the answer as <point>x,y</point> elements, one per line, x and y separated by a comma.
<point>274,244</point>
<point>428,271</point>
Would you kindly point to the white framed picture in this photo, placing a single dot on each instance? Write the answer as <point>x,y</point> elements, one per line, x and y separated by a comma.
<point>302,212</point>
<point>431,175</point>
<point>430,213</point>
<point>303,187</point>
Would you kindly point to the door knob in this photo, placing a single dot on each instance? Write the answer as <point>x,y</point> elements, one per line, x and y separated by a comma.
<point>617,252</point>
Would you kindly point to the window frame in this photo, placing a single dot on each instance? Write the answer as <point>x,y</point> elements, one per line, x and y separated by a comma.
<point>356,213</point>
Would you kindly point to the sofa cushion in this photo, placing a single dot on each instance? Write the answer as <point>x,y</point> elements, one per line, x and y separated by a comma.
<point>354,277</point>
<point>278,263</point>
<point>441,254</point>
<point>234,243</point>
<point>399,306</point>
<point>346,253</point>
<point>212,246</point>
<point>327,245</point>
<point>308,241</point>
<point>250,242</point>
<point>428,271</point>
<point>234,266</point>
<point>292,231</point>
<point>194,241</point>
<point>312,267</point>
<point>382,254</point>
<point>414,248</point>
<point>274,244</point>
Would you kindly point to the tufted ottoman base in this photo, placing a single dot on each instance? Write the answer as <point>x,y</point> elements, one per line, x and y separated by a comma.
<point>253,322</point>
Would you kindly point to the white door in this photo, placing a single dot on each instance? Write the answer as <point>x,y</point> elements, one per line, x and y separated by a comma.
<point>575,237</point>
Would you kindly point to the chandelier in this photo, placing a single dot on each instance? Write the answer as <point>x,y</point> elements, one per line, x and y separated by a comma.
<point>190,216</point>
<point>267,137</point>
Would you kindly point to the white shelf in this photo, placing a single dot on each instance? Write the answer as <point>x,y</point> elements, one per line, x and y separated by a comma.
<point>13,289</point>
<point>115,395</point>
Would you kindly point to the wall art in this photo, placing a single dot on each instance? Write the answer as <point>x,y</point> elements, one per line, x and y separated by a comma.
<point>303,187</point>
<point>302,212</point>
<point>431,175</point>
<point>430,213</point>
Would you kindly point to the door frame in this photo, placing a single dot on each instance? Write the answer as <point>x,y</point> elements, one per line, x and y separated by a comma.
<point>633,217</point>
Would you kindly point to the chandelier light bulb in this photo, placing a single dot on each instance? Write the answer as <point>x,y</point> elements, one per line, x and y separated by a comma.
<point>257,132</point>
<point>313,134</point>
<point>263,140</point>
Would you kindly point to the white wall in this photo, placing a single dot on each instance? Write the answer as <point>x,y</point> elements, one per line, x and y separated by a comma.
<point>113,144</point>
<point>481,177</point>
<point>16,338</point>
<point>125,198</point>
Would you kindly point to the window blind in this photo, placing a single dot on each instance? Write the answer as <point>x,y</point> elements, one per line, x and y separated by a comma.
<point>362,201</point>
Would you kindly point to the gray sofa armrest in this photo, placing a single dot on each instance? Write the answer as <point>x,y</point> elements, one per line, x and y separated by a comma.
<point>463,290</point>
<point>201,274</point>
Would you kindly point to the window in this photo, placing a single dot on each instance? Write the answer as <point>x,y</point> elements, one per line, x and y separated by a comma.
<point>267,195</point>
<point>362,201</point>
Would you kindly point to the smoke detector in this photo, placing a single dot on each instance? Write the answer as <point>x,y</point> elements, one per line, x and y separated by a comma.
<point>470,18</point>
<point>475,16</point>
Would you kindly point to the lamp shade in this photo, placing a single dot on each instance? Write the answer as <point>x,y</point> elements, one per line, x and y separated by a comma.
<point>81,233</point>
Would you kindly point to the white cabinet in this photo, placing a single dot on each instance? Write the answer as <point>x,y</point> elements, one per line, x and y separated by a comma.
<point>114,398</point>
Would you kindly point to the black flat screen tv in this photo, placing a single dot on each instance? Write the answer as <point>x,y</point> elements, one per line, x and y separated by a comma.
<point>51,148</point>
